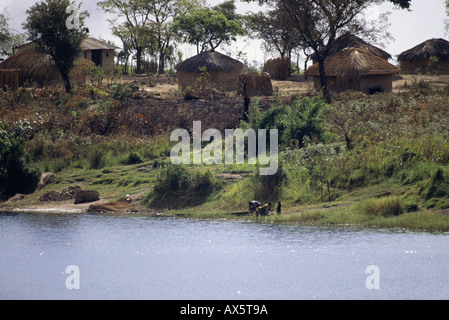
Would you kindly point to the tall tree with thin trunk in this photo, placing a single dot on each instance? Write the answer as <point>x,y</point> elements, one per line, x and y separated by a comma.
<point>319,23</point>
<point>148,18</point>
<point>50,25</point>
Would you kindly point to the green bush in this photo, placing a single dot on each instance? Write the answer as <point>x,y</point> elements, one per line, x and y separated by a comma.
<point>95,158</point>
<point>302,120</point>
<point>17,175</point>
<point>437,186</point>
<point>384,206</point>
<point>177,187</point>
<point>133,157</point>
<point>122,92</point>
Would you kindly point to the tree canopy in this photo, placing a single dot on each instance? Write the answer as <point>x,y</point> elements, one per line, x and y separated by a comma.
<point>46,24</point>
<point>148,21</point>
<point>9,39</point>
<point>207,28</point>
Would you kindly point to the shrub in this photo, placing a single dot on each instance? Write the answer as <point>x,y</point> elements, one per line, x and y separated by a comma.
<point>95,74</point>
<point>384,206</point>
<point>301,121</point>
<point>122,92</point>
<point>133,158</point>
<point>95,157</point>
<point>438,185</point>
<point>16,173</point>
<point>177,187</point>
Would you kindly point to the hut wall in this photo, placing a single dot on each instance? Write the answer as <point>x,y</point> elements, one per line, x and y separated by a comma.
<point>331,83</point>
<point>421,66</point>
<point>366,84</point>
<point>107,59</point>
<point>220,80</point>
<point>87,54</point>
<point>376,82</point>
<point>9,78</point>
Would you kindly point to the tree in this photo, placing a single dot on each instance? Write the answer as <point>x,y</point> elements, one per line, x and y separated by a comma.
<point>148,18</point>
<point>47,26</point>
<point>208,28</point>
<point>136,25</point>
<point>319,22</point>
<point>404,4</point>
<point>274,29</point>
<point>17,175</point>
<point>9,40</point>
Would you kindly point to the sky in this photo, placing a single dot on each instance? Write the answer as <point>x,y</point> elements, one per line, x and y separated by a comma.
<point>424,21</point>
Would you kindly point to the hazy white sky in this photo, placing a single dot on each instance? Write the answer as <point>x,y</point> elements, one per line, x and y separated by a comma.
<point>408,28</point>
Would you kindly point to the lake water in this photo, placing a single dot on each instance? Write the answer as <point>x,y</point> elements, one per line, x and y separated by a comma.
<point>69,256</point>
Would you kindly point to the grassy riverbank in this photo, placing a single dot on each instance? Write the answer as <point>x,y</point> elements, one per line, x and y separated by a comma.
<point>374,161</point>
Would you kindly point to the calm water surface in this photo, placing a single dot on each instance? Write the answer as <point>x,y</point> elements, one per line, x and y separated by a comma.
<point>139,257</point>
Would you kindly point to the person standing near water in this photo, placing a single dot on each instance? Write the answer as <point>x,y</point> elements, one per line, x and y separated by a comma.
<point>278,209</point>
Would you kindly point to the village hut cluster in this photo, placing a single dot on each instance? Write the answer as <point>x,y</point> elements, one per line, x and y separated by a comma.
<point>352,64</point>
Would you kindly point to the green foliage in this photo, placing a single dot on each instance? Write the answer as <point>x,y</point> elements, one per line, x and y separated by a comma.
<point>384,206</point>
<point>48,18</point>
<point>95,74</point>
<point>207,28</point>
<point>177,187</point>
<point>302,121</point>
<point>133,157</point>
<point>121,92</point>
<point>17,175</point>
<point>436,190</point>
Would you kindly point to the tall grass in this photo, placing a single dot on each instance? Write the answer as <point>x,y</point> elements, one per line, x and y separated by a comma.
<point>384,206</point>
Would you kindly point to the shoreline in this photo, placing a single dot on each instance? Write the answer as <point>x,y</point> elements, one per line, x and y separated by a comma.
<point>319,215</point>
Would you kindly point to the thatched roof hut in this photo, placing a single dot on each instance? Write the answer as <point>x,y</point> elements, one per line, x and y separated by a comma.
<point>355,69</point>
<point>40,68</point>
<point>348,40</point>
<point>430,56</point>
<point>217,70</point>
<point>278,68</point>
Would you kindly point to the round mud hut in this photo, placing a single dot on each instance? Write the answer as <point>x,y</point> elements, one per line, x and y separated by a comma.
<point>431,56</point>
<point>355,69</point>
<point>211,69</point>
<point>38,68</point>
<point>349,40</point>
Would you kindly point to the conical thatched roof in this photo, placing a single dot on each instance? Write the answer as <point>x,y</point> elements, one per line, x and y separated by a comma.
<point>348,40</point>
<point>353,63</point>
<point>438,48</point>
<point>40,68</point>
<point>212,60</point>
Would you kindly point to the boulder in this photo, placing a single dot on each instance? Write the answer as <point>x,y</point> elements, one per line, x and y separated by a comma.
<point>66,194</point>
<point>84,196</point>
<point>46,179</point>
<point>17,197</point>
